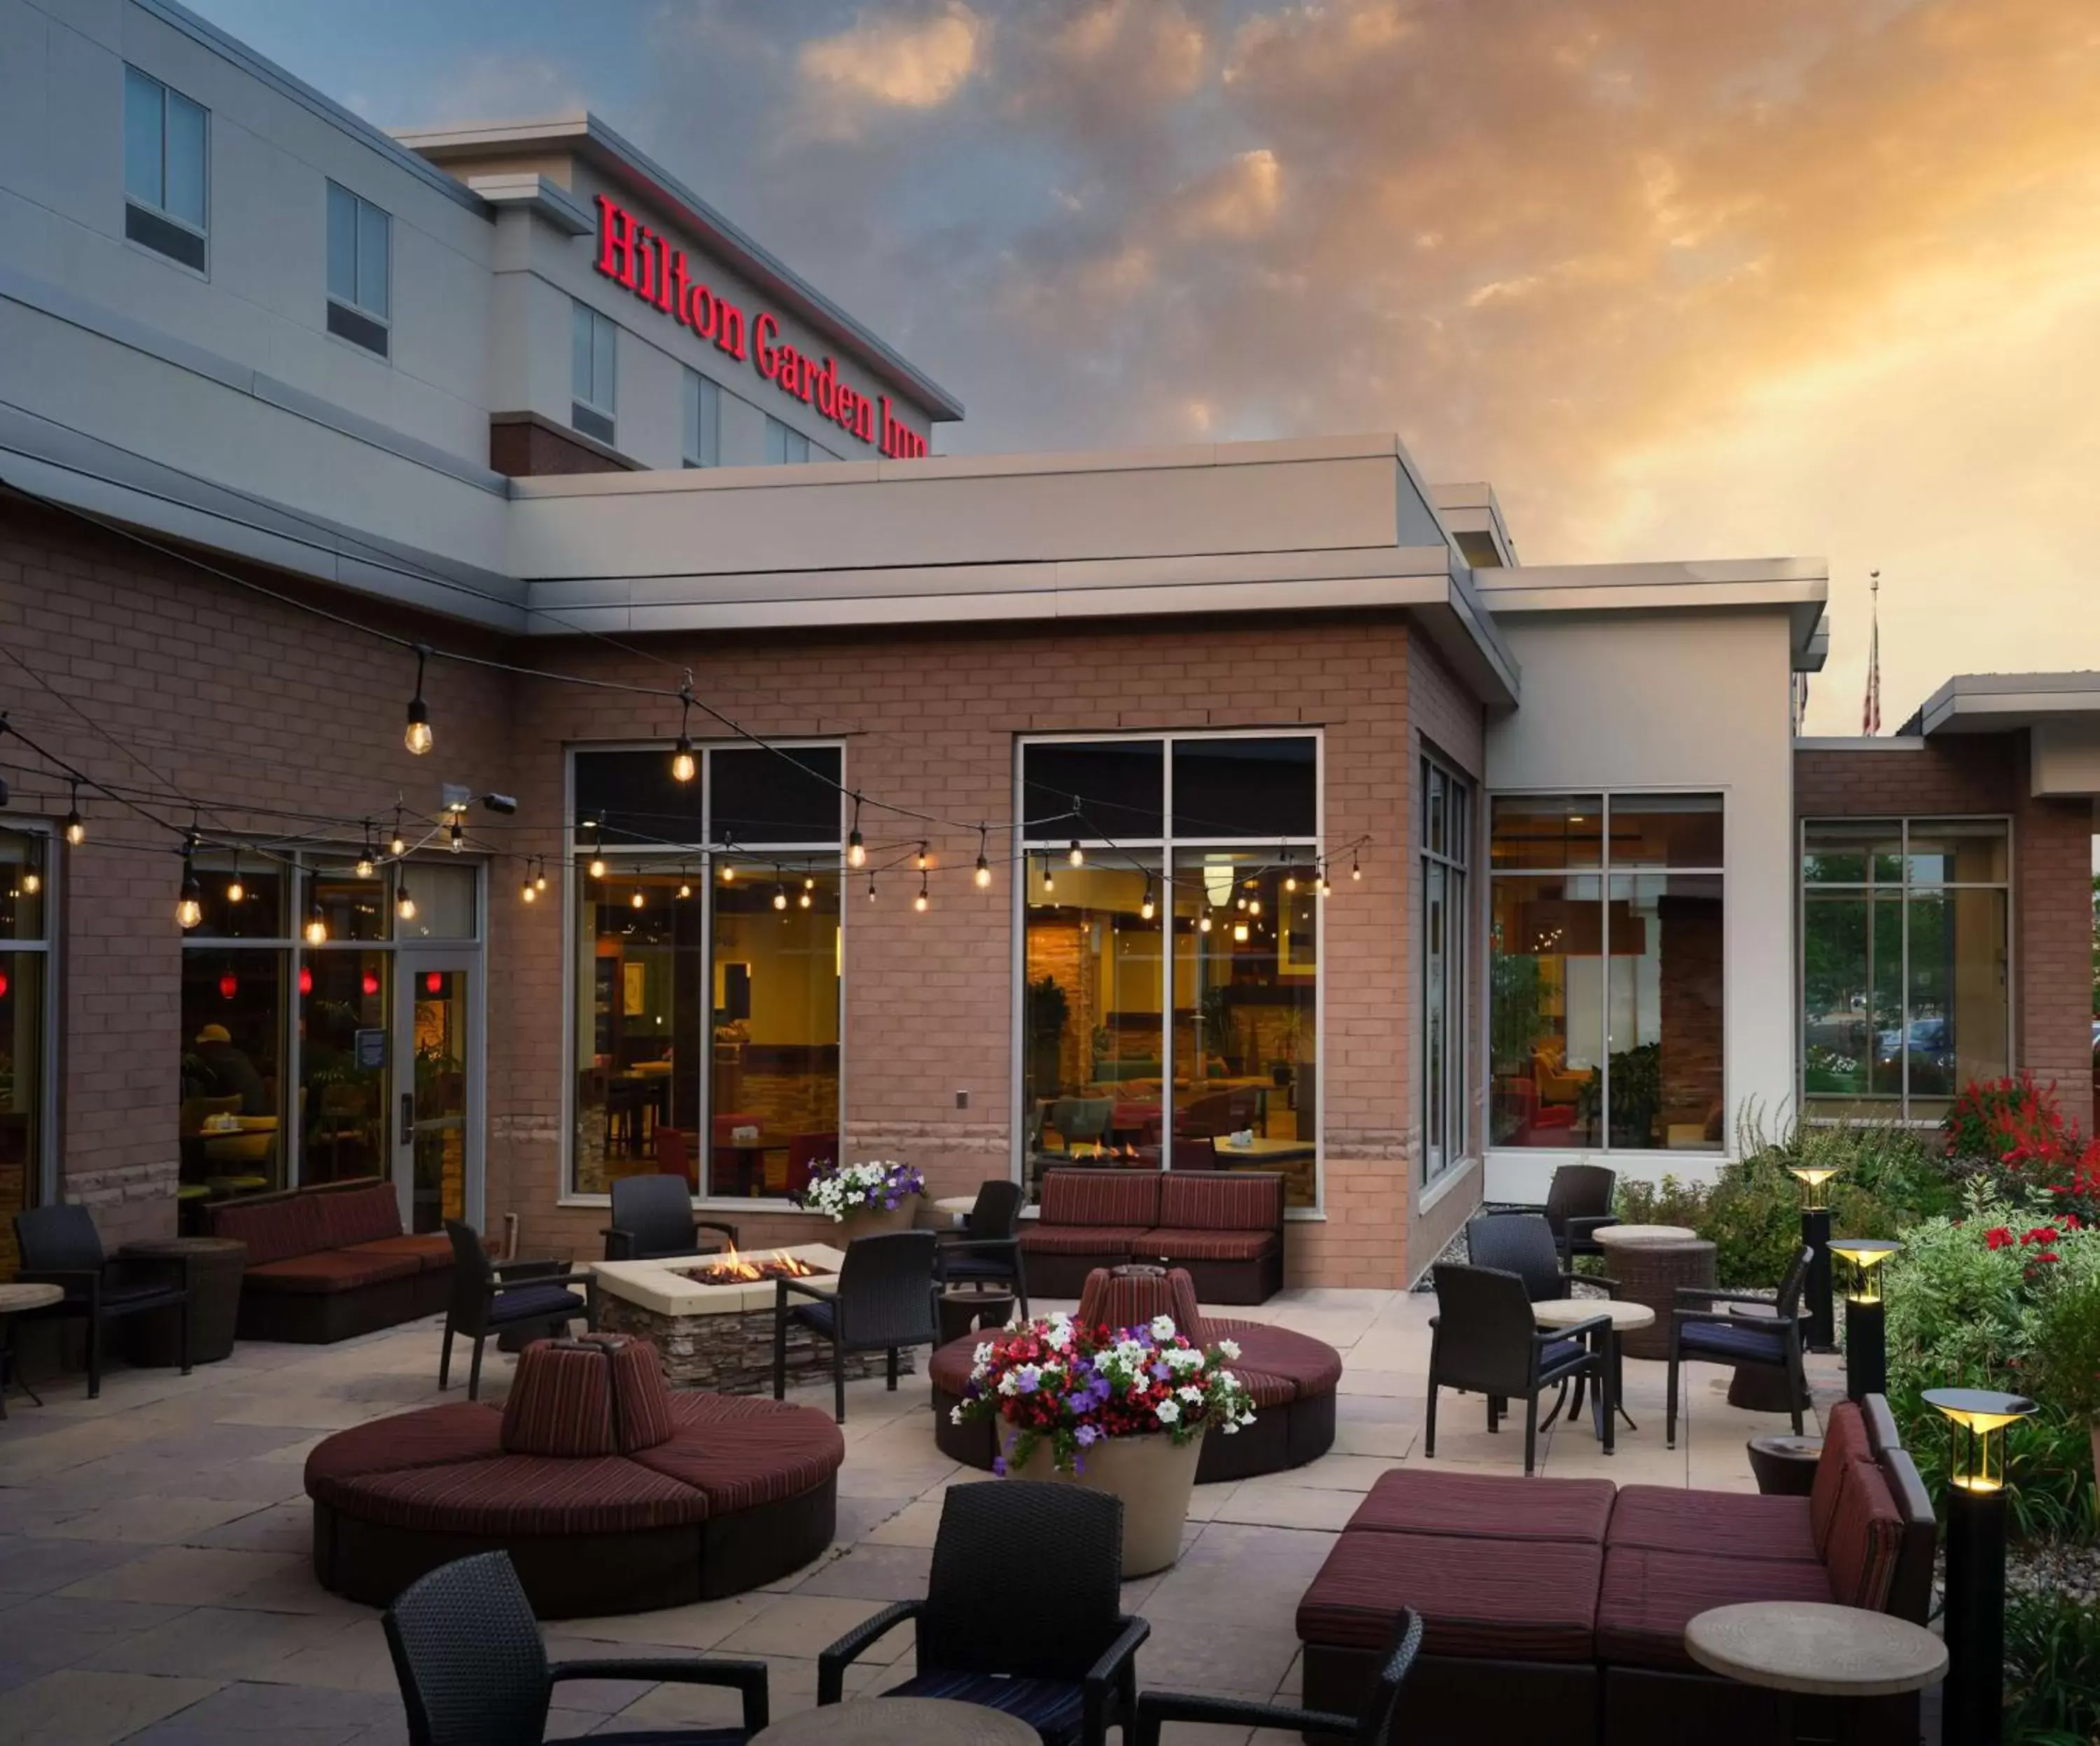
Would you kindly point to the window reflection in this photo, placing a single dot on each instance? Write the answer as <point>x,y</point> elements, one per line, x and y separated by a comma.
<point>344,1064</point>
<point>230,1122</point>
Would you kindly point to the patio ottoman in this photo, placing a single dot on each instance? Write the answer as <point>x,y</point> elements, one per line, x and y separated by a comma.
<point>1481,1505</point>
<point>611,1493</point>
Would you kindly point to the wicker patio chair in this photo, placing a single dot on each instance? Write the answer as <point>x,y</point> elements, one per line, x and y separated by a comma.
<point>1524,1244</point>
<point>473,1671</point>
<point>1483,1338</point>
<point>61,1246</point>
<point>1578,1205</point>
<point>987,1248</point>
<point>1372,1727</point>
<point>883,1302</point>
<point>653,1216</point>
<point>1773,1337</point>
<point>1023,1612</point>
<point>490,1297</point>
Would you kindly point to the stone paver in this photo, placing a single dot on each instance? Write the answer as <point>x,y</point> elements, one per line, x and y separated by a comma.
<point>155,1585</point>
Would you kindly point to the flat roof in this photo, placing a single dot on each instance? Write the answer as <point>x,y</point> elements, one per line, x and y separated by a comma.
<point>624,162</point>
<point>1996,703</point>
<point>1802,585</point>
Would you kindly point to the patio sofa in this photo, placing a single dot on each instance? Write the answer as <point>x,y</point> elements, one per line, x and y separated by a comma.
<point>1292,1377</point>
<point>1225,1227</point>
<point>611,1493</point>
<point>1565,1600</point>
<point>327,1263</point>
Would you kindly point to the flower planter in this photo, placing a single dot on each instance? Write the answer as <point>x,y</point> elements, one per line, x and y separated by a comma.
<point>874,1221</point>
<point>1153,1475</point>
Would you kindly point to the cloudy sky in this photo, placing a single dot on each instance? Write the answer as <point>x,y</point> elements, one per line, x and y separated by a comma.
<point>1682,278</point>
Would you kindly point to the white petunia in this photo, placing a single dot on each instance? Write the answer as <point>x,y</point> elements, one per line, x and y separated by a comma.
<point>1162,1327</point>
<point>1230,1348</point>
<point>1169,1413</point>
<point>982,1354</point>
<point>1193,1396</point>
<point>955,1415</point>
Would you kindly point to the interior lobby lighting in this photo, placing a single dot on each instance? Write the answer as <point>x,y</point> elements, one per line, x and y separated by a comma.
<point>416,736</point>
<point>1203,925</point>
<point>1239,933</point>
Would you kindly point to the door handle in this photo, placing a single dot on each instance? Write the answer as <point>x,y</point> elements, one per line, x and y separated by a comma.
<point>408,1117</point>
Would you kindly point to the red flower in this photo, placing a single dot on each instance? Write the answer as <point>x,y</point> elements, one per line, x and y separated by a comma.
<point>1998,1238</point>
<point>2072,1223</point>
<point>2044,1233</point>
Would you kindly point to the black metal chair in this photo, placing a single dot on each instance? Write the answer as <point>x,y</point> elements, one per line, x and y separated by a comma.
<point>1524,1244</point>
<point>987,1250</point>
<point>1483,1338</point>
<point>1372,1727</point>
<point>883,1302</point>
<point>1771,1338</point>
<point>1578,1205</point>
<point>61,1246</point>
<point>473,1671</point>
<point>1022,1613</point>
<point>490,1297</point>
<point>653,1216</point>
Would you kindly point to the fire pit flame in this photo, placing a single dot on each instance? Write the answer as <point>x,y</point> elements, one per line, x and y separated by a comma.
<point>734,1269</point>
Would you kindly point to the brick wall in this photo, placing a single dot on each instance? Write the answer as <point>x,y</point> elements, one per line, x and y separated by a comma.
<point>2052,876</point>
<point>229,697</point>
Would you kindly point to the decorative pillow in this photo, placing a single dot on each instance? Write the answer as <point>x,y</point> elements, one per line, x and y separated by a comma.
<point>641,1402</point>
<point>1844,1442</point>
<point>561,1401</point>
<point>1865,1535</point>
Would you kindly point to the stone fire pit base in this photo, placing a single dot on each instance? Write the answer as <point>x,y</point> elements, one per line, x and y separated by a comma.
<point>732,1353</point>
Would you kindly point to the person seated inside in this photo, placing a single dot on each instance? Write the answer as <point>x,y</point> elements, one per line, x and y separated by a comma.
<point>229,1072</point>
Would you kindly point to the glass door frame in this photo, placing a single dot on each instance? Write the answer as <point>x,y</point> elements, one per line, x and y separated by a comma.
<point>410,963</point>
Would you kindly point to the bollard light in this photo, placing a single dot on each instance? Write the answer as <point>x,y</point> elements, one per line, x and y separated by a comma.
<point>1864,1254</point>
<point>1812,1177</point>
<point>1866,1331</point>
<point>1973,1708</point>
<point>1821,1334</point>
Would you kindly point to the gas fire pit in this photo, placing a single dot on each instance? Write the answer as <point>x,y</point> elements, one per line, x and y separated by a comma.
<point>710,1316</point>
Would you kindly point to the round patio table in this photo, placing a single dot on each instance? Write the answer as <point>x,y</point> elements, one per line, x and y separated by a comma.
<point>1650,1262</point>
<point>898,1722</point>
<point>1626,1317</point>
<point>14,1299</point>
<point>1815,1649</point>
<point>212,1267</point>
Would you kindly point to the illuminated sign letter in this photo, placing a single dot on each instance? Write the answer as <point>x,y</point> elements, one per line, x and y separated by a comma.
<point>617,240</point>
<point>763,330</point>
<point>700,311</point>
<point>731,338</point>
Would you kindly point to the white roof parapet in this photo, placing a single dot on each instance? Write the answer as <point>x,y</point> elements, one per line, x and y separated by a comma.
<point>1802,585</point>
<point>1996,703</point>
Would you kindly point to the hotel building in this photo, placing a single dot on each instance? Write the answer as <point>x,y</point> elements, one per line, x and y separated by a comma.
<point>1306,814</point>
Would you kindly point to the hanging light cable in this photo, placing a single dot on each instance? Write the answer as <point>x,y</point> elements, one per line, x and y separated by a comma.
<point>416,736</point>
<point>856,849</point>
<point>76,826</point>
<point>596,827</point>
<point>683,765</point>
<point>1049,878</point>
<point>1356,865</point>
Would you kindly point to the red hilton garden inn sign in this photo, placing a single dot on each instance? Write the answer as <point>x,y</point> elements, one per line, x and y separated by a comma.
<point>634,256</point>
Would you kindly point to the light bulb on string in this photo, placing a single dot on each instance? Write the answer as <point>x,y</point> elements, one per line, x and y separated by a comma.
<point>189,905</point>
<point>1049,878</point>
<point>540,877</point>
<point>397,846</point>
<point>729,873</point>
<point>871,887</point>
<point>922,860</point>
<point>636,901</point>
<point>76,826</point>
<point>805,899</point>
<point>1253,906</point>
<point>597,867</point>
<point>306,979</point>
<point>779,890</point>
<point>983,873</point>
<point>856,847</point>
<point>1356,866</point>
<point>235,892</point>
<point>526,892</point>
<point>922,901</point>
<point>317,928</point>
<point>458,835</point>
<point>366,861</point>
<point>683,765</point>
<point>1148,909</point>
<point>405,902</point>
<point>416,736</point>
<point>1075,854</point>
<point>32,882</point>
<point>685,884</point>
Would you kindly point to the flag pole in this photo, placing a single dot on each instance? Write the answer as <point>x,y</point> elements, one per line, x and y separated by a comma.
<point>1870,710</point>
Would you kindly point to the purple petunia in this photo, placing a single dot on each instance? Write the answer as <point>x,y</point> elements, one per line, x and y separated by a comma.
<point>1087,1435</point>
<point>998,1466</point>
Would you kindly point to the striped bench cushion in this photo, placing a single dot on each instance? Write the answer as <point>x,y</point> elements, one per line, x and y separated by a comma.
<point>273,1230</point>
<point>527,1494</point>
<point>1205,1245</point>
<point>1101,1197</point>
<point>358,1216</point>
<point>430,1437</point>
<point>1729,1524</point>
<point>1865,1535</point>
<point>1112,1241</point>
<point>427,1252</point>
<point>327,1270</point>
<point>1487,1506</point>
<point>740,1451</point>
<point>1480,1599</point>
<point>1844,1442</point>
<point>1310,1367</point>
<point>1220,1200</point>
<point>1648,1598</point>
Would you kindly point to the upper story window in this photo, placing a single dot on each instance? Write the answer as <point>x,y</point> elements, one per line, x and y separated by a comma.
<point>593,366</point>
<point>360,249</point>
<point>703,421</point>
<point>166,157</point>
<point>783,446</point>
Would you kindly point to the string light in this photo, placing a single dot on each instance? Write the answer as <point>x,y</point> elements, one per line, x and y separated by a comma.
<point>806,900</point>
<point>922,860</point>
<point>1203,925</point>
<point>189,908</point>
<point>1147,909</point>
<point>1049,878</point>
<point>871,887</point>
<point>404,903</point>
<point>685,884</point>
<point>1356,867</point>
<point>922,901</point>
<point>1076,855</point>
<point>526,892</point>
<point>76,826</point>
<point>366,859</point>
<point>540,879</point>
<point>316,928</point>
<point>235,892</point>
<point>779,890</point>
<point>306,979</point>
<point>856,848</point>
<point>983,873</point>
<point>397,846</point>
<point>1253,906</point>
<point>416,736</point>
<point>458,835</point>
<point>597,867</point>
<point>729,873</point>
<point>32,882</point>
<point>683,765</point>
<point>635,902</point>
<point>596,828</point>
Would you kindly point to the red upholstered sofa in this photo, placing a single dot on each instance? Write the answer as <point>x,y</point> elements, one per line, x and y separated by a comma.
<point>1292,1377</point>
<point>1565,1600</point>
<point>324,1263</point>
<point>1225,1227</point>
<point>611,1492</point>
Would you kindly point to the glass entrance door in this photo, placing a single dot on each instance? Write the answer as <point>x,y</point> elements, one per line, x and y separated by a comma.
<point>437,1080</point>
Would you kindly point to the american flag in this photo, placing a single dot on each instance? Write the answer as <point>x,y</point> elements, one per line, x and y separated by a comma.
<point>1870,711</point>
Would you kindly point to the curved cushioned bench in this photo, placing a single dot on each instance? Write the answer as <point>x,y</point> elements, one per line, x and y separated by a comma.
<point>611,1493</point>
<point>1292,1377</point>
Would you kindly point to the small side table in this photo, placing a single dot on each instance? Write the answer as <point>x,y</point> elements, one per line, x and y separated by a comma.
<point>1785,1466</point>
<point>1650,1262</point>
<point>964,1310</point>
<point>1814,1649</point>
<point>899,1722</point>
<point>212,1267</point>
<point>1565,1312</point>
<point>13,1300</point>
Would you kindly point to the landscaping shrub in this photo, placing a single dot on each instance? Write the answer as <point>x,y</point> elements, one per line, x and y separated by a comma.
<point>2012,1135</point>
<point>2052,1671</point>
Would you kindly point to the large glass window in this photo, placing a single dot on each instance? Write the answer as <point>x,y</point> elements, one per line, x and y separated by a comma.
<point>1445,801</point>
<point>26,990</point>
<point>1170,1006</point>
<point>166,161</point>
<point>707,1015</point>
<point>702,421</point>
<point>1905,995</point>
<point>360,247</point>
<point>1605,1012</point>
